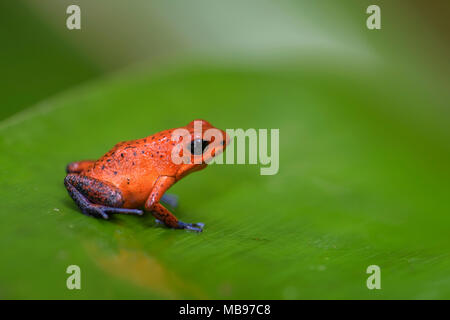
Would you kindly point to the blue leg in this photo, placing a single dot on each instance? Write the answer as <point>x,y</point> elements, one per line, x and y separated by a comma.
<point>170,199</point>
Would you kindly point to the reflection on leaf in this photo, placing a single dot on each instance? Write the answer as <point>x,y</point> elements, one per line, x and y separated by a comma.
<point>143,270</point>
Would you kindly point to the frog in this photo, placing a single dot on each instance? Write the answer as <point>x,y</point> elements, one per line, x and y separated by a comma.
<point>132,178</point>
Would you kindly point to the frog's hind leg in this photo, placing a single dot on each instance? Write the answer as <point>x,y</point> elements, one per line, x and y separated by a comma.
<point>96,198</point>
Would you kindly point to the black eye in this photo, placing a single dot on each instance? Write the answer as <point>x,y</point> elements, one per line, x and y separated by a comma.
<point>198,146</point>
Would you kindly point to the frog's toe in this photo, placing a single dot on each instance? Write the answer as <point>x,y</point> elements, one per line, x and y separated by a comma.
<point>136,212</point>
<point>199,224</point>
<point>96,212</point>
<point>104,215</point>
<point>192,228</point>
<point>197,227</point>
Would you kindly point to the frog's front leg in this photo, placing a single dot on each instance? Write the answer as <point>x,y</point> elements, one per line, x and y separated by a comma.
<point>96,198</point>
<point>163,214</point>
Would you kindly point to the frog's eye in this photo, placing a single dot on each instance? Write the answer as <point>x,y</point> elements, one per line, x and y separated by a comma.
<point>198,146</point>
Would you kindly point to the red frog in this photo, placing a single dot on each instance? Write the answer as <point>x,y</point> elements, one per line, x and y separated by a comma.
<point>134,175</point>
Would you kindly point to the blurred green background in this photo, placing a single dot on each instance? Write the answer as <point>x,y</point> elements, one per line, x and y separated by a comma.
<point>364,147</point>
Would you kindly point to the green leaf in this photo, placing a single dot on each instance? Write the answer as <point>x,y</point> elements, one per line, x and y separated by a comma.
<point>363,180</point>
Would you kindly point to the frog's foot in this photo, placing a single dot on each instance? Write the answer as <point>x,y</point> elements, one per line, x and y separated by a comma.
<point>99,211</point>
<point>112,210</point>
<point>77,185</point>
<point>170,199</point>
<point>198,227</point>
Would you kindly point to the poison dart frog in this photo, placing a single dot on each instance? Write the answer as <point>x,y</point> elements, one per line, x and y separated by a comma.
<point>134,175</point>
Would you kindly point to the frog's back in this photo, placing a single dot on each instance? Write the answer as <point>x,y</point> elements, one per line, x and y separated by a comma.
<point>134,164</point>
